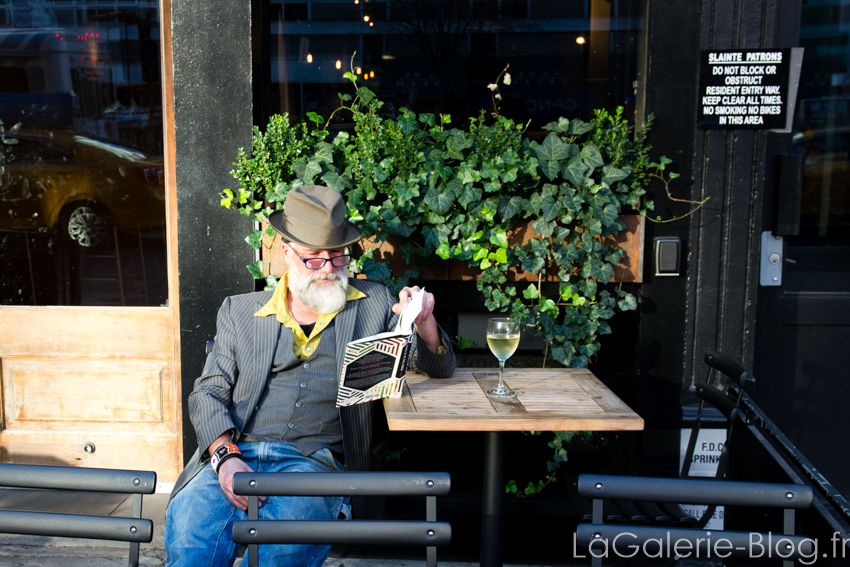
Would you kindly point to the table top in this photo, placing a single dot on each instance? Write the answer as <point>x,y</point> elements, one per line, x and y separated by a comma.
<point>548,399</point>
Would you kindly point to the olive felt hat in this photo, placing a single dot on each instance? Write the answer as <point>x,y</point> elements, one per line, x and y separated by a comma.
<point>314,216</point>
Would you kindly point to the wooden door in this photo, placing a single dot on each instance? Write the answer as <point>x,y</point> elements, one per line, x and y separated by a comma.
<point>89,351</point>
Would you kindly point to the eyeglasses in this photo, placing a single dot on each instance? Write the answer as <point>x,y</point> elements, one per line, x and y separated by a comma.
<point>319,263</point>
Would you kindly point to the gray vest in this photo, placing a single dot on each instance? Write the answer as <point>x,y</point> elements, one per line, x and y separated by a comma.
<point>298,405</point>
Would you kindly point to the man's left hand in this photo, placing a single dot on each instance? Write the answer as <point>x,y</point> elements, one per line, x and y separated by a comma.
<point>426,324</point>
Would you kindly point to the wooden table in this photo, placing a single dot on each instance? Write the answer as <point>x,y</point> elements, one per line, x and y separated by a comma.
<point>547,400</point>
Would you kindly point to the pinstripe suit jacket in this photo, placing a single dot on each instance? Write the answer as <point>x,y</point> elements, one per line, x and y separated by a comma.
<point>227,394</point>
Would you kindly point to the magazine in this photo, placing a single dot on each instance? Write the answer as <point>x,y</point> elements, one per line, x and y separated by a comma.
<point>374,367</point>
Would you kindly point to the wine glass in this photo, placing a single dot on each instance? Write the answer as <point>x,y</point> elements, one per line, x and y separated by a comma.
<point>503,339</point>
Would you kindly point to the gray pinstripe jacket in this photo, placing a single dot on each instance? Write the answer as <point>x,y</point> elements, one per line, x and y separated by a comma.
<point>225,396</point>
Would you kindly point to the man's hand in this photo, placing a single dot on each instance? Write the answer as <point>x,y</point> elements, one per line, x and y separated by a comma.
<point>225,479</point>
<point>426,324</point>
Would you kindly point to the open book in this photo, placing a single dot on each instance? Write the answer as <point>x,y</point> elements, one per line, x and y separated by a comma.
<point>374,367</point>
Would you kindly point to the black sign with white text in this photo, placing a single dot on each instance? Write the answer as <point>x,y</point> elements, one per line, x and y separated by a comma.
<point>744,88</point>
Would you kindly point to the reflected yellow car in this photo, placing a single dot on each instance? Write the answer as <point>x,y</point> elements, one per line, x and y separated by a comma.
<point>78,186</point>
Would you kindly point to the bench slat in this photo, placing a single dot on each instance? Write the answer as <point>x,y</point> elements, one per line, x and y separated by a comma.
<point>353,532</point>
<point>695,491</point>
<point>75,525</point>
<point>73,478</point>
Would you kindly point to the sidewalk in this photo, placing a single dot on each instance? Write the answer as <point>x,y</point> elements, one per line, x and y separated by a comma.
<point>37,551</point>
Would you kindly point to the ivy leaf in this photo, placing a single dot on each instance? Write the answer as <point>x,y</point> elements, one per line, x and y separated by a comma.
<point>336,181</point>
<point>610,215</point>
<point>256,269</point>
<point>592,156</point>
<point>255,239</point>
<point>579,127</point>
<point>509,208</point>
<point>499,238</point>
<point>439,200</point>
<point>574,171</point>
<point>611,174</point>
<point>531,292</point>
<point>552,149</point>
<point>543,228</point>
<point>324,152</point>
<point>443,250</point>
<point>627,303</point>
<point>500,256</point>
<point>470,194</point>
<point>306,171</point>
<point>406,191</point>
<point>603,271</point>
<point>226,198</point>
<point>435,234</point>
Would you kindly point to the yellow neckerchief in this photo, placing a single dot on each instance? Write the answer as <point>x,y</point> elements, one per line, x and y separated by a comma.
<point>303,346</point>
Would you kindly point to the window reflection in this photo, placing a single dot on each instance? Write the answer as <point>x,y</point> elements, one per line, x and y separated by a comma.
<point>566,58</point>
<point>82,202</point>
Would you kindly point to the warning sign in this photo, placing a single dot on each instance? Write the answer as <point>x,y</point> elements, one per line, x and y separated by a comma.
<point>745,88</point>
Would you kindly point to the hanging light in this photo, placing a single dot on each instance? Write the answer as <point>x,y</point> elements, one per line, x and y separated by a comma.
<point>365,18</point>
<point>338,64</point>
<point>580,40</point>
<point>309,58</point>
<point>371,74</point>
<point>357,70</point>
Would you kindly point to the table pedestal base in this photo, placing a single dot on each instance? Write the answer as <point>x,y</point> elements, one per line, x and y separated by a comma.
<point>493,500</point>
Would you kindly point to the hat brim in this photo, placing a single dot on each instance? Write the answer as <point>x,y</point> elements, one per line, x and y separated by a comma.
<point>352,234</point>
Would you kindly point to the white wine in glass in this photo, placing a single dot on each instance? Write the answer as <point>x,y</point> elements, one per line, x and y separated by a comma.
<point>503,340</point>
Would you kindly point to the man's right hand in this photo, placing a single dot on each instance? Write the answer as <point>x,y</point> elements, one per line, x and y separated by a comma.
<point>225,479</point>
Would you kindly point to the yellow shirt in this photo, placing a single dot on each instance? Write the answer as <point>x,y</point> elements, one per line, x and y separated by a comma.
<point>303,345</point>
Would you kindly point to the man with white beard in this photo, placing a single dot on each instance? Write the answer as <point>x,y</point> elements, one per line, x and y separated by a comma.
<point>266,399</point>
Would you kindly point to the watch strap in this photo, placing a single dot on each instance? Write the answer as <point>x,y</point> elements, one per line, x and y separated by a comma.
<point>222,453</point>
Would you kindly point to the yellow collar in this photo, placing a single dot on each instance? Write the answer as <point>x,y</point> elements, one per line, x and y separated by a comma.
<point>303,346</point>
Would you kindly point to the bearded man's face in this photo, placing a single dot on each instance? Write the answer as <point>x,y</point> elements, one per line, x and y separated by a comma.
<point>322,291</point>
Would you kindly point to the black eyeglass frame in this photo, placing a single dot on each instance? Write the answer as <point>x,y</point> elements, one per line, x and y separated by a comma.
<point>324,261</point>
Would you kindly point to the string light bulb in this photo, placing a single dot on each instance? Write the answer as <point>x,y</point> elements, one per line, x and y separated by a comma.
<point>309,58</point>
<point>357,70</point>
<point>338,64</point>
<point>580,40</point>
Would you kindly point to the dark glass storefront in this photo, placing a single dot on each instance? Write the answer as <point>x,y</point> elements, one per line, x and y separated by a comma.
<point>82,207</point>
<point>564,58</point>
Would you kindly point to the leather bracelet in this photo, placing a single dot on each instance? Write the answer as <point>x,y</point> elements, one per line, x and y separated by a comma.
<point>223,453</point>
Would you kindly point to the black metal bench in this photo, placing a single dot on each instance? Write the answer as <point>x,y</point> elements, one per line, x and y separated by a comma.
<point>134,529</point>
<point>429,534</point>
<point>614,540</point>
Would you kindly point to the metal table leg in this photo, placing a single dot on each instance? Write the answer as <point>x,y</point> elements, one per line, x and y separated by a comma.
<point>493,497</point>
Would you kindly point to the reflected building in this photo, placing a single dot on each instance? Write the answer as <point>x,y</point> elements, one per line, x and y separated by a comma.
<point>82,212</point>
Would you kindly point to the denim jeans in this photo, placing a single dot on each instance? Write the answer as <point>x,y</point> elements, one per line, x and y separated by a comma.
<point>199,519</point>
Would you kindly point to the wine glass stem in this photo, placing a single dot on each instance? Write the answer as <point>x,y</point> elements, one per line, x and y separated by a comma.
<point>501,386</point>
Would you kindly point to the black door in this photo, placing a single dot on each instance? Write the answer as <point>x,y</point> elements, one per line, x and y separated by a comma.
<point>803,352</point>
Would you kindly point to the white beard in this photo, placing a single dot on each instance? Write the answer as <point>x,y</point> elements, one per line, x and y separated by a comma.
<point>322,299</point>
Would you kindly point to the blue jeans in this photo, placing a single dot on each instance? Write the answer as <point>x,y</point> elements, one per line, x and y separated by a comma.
<point>199,519</point>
